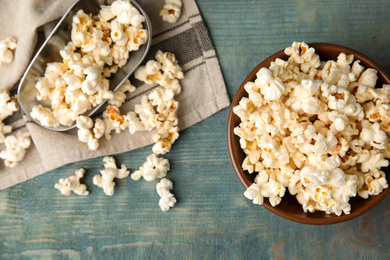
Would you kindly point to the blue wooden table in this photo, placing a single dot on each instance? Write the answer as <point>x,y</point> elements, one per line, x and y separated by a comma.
<point>212,219</point>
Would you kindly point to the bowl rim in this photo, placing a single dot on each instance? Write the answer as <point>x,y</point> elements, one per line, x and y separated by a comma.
<point>333,219</point>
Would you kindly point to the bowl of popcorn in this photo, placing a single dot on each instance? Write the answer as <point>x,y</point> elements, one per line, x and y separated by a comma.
<point>308,133</point>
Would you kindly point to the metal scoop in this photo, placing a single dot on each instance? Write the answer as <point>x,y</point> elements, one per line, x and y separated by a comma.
<point>50,52</point>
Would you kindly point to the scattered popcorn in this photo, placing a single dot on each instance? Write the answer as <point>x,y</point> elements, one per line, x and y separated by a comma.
<point>153,168</point>
<point>16,146</point>
<point>319,129</point>
<point>99,46</point>
<point>72,183</point>
<point>171,11</point>
<point>110,172</point>
<point>167,199</point>
<point>7,46</point>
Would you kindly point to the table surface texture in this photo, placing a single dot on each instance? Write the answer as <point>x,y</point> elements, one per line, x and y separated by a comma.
<point>212,219</point>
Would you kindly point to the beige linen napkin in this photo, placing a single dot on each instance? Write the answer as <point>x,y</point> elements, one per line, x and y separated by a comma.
<point>203,89</point>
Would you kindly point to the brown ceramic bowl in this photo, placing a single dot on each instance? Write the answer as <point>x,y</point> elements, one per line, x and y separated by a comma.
<point>289,208</point>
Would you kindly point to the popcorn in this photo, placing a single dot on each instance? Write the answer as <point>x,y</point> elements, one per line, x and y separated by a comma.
<point>114,120</point>
<point>372,161</point>
<point>8,104</point>
<point>169,65</point>
<point>110,172</point>
<point>167,199</point>
<point>372,184</point>
<point>7,46</point>
<point>4,129</point>
<point>98,47</point>
<point>165,137</point>
<point>164,71</point>
<point>372,135</point>
<point>136,37</point>
<point>270,88</point>
<point>153,168</point>
<point>146,113</point>
<point>171,11</point>
<point>150,73</point>
<point>120,95</point>
<point>16,146</point>
<point>265,186</point>
<point>85,132</point>
<point>368,78</point>
<point>300,53</point>
<point>44,115</point>
<point>319,129</point>
<point>72,183</point>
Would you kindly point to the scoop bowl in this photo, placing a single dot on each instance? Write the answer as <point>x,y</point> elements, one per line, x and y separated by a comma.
<point>50,52</point>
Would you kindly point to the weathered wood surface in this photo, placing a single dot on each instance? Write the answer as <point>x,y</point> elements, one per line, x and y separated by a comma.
<point>212,219</point>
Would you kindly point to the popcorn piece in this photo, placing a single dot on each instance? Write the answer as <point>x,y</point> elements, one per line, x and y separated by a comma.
<point>171,11</point>
<point>372,161</point>
<point>135,123</point>
<point>270,88</point>
<point>372,184</point>
<point>4,129</point>
<point>44,115</point>
<point>66,186</point>
<point>136,37</point>
<point>372,135</point>
<point>164,71</point>
<point>254,193</point>
<point>110,172</point>
<point>164,138</point>
<point>8,104</point>
<point>7,46</point>
<point>105,13</point>
<point>114,120</point>
<point>300,53</point>
<point>169,65</point>
<point>265,186</point>
<point>146,113</point>
<point>16,146</point>
<point>153,168</point>
<point>120,95</point>
<point>85,132</point>
<point>150,73</point>
<point>368,78</point>
<point>167,199</point>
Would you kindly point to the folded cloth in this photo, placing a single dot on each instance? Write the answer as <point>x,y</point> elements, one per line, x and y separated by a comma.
<point>203,88</point>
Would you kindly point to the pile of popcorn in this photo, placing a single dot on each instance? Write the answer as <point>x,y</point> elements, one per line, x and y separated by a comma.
<point>319,129</point>
<point>15,145</point>
<point>171,10</point>
<point>157,110</point>
<point>99,46</point>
